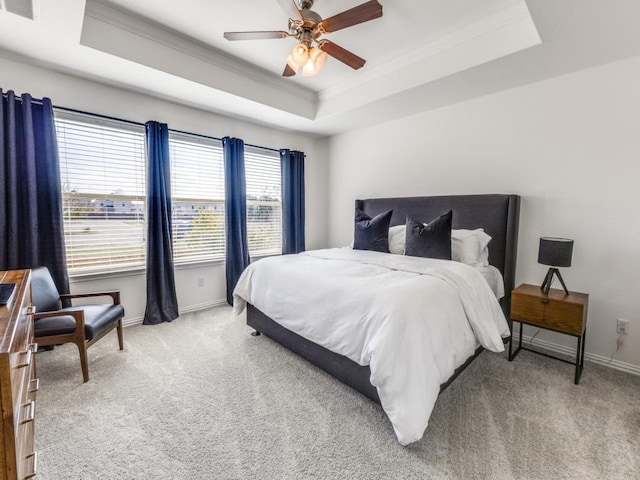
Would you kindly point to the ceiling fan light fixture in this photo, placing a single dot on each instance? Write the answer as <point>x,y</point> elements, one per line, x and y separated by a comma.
<point>300,54</point>
<point>318,57</point>
<point>309,70</point>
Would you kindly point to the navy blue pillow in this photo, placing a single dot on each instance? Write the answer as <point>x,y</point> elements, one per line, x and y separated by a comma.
<point>432,240</point>
<point>372,233</point>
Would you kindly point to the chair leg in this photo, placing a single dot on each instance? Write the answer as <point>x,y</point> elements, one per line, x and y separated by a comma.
<point>82,347</point>
<point>120,340</point>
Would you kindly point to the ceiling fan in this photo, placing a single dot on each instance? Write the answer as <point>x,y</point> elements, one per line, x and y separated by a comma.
<point>306,26</point>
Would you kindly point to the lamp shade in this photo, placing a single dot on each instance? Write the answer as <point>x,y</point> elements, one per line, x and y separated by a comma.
<point>556,252</point>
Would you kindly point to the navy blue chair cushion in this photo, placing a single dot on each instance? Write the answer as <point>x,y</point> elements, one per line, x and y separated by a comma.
<point>96,319</point>
<point>48,326</point>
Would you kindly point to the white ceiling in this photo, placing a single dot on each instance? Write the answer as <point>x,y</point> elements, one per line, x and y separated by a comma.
<point>421,54</point>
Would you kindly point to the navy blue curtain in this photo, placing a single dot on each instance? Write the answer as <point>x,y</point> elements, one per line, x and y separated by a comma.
<point>31,226</point>
<point>162,303</point>
<point>292,164</point>
<point>235,219</point>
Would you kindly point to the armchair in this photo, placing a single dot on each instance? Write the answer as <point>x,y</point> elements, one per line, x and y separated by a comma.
<point>83,325</point>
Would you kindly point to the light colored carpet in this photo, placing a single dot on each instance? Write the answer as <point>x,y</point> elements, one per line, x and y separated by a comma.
<point>200,398</point>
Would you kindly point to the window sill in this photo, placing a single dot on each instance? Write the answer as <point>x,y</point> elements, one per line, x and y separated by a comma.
<point>90,277</point>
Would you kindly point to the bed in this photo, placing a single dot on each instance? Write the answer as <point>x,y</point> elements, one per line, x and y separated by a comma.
<point>497,214</point>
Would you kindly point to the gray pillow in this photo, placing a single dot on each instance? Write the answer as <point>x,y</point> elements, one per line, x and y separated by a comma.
<point>432,240</point>
<point>372,233</point>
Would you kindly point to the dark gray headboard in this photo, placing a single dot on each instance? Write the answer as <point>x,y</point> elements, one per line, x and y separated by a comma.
<point>497,214</point>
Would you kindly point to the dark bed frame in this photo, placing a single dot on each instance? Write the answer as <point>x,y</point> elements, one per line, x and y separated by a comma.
<point>497,214</point>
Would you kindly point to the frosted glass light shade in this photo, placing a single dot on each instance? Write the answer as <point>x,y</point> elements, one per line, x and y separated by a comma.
<point>309,70</point>
<point>300,54</point>
<point>317,59</point>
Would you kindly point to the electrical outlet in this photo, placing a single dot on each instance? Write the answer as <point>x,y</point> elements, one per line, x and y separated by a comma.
<point>201,281</point>
<point>622,327</point>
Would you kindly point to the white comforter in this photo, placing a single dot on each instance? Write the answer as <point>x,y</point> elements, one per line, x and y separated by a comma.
<point>412,320</point>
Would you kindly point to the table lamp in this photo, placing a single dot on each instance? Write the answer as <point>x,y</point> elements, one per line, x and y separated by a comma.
<point>555,252</point>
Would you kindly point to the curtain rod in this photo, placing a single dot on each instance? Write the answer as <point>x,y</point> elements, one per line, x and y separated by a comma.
<point>208,137</point>
<point>106,117</point>
<point>131,122</point>
<point>263,148</point>
<point>37,101</point>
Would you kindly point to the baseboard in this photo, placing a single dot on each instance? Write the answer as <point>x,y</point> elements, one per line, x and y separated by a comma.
<point>571,352</point>
<point>129,322</point>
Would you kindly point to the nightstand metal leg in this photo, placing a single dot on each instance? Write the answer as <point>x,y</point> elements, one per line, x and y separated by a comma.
<point>520,337</point>
<point>579,356</point>
<point>513,353</point>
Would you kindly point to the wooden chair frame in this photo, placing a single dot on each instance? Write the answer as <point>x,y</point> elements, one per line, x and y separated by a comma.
<point>78,335</point>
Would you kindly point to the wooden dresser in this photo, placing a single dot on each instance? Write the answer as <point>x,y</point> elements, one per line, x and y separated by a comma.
<point>18,384</point>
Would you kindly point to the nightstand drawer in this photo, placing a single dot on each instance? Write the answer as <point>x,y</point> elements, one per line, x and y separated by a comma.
<point>527,308</point>
<point>556,311</point>
<point>565,317</point>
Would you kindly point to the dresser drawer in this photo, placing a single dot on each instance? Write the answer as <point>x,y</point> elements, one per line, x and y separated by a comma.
<point>26,460</point>
<point>25,454</point>
<point>17,371</point>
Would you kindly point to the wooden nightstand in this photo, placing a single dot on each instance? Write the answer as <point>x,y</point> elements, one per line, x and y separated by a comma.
<point>557,311</point>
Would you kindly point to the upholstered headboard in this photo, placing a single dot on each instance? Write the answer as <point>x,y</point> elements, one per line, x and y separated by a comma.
<point>497,214</point>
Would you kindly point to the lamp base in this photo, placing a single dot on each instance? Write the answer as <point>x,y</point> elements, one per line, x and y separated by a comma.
<point>548,280</point>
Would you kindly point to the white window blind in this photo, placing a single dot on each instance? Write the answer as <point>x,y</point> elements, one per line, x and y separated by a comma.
<point>197,189</point>
<point>102,169</point>
<point>264,201</point>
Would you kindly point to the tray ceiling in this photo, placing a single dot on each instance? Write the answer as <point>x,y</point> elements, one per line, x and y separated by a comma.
<point>421,54</point>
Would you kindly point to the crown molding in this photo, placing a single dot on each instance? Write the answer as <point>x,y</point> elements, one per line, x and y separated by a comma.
<point>250,80</point>
<point>469,34</point>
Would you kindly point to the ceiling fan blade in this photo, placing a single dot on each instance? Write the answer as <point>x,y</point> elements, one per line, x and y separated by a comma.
<point>255,35</point>
<point>288,71</point>
<point>339,53</point>
<point>360,14</point>
<point>291,8</point>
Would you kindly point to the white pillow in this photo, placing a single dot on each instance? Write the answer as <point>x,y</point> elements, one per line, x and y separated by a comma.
<point>470,247</point>
<point>467,246</point>
<point>397,236</point>
<point>396,239</point>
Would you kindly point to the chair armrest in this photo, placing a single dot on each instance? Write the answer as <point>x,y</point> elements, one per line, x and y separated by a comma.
<point>115,295</point>
<point>78,316</point>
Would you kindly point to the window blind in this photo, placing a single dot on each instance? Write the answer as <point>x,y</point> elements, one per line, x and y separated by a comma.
<point>102,170</point>
<point>264,201</point>
<point>197,189</point>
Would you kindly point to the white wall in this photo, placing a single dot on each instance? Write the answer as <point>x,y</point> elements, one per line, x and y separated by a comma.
<point>73,92</point>
<point>570,146</point>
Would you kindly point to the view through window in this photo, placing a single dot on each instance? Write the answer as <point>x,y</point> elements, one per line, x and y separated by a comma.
<point>264,201</point>
<point>197,189</point>
<point>102,167</point>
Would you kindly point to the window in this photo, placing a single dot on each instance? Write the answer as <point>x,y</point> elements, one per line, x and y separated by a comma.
<point>102,170</point>
<point>197,189</point>
<point>264,201</point>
